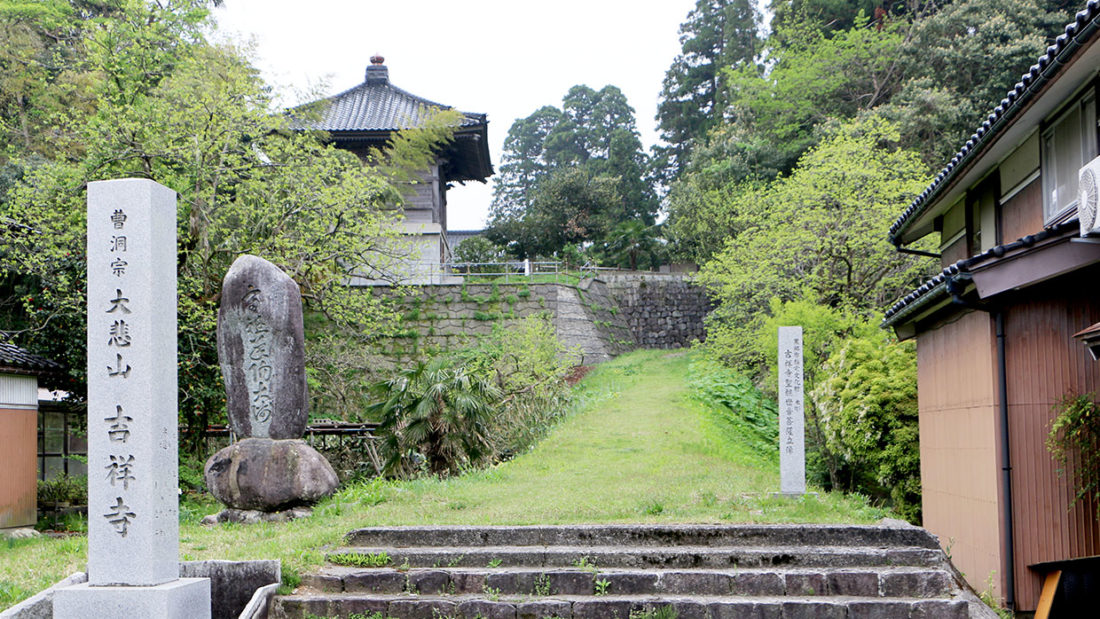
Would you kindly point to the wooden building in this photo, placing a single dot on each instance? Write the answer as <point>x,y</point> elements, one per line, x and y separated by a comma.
<point>367,116</point>
<point>995,329</point>
<point>19,374</point>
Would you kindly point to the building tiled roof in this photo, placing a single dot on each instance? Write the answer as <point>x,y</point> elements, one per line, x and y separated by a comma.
<point>1077,34</point>
<point>15,358</point>
<point>375,105</point>
<point>944,283</point>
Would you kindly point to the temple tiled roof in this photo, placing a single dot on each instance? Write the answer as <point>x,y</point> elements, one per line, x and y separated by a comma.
<point>1076,35</point>
<point>368,115</point>
<point>15,358</point>
<point>376,105</point>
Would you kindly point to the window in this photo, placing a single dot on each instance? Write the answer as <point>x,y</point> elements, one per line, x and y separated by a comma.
<point>1068,144</point>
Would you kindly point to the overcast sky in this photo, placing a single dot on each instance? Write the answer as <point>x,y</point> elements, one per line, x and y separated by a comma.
<point>505,58</point>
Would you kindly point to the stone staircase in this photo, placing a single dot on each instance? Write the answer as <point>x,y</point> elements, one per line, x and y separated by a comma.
<point>636,571</point>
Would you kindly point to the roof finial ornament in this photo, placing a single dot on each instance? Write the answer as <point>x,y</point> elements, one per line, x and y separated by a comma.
<point>377,73</point>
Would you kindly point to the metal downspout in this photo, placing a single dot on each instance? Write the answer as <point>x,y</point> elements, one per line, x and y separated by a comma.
<point>1006,466</point>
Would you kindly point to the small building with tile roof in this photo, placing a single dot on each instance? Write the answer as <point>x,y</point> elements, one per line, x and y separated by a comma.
<point>366,117</point>
<point>19,374</point>
<point>995,329</point>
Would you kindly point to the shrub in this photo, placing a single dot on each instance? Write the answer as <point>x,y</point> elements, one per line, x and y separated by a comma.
<point>1074,443</point>
<point>438,409</point>
<point>738,404</point>
<point>866,404</point>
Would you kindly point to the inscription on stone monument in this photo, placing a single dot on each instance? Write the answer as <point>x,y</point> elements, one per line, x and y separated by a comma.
<point>261,348</point>
<point>792,446</point>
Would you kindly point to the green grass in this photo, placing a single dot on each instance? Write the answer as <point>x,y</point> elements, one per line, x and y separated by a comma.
<point>637,448</point>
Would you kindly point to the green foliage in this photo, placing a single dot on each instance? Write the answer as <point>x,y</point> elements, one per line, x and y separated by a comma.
<point>438,411</point>
<point>359,559</point>
<point>866,404</point>
<point>814,78</point>
<point>977,49</point>
<point>664,612</point>
<point>632,245</point>
<point>1074,443</point>
<point>816,235</point>
<point>740,409</point>
<point>134,89</point>
<point>567,175</point>
<point>717,34</point>
<point>480,249</point>
<point>529,365</point>
<point>64,489</point>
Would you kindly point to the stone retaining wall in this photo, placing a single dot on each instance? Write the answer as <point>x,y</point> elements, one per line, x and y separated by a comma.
<point>662,310</point>
<point>601,318</point>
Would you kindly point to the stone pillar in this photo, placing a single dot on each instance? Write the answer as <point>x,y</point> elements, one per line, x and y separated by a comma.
<point>133,496</point>
<point>792,422</point>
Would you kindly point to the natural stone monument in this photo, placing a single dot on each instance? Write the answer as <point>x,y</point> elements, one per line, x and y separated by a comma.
<point>133,500</point>
<point>792,444</point>
<point>261,348</point>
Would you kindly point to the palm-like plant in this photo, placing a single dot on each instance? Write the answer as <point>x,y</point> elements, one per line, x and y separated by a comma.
<point>438,409</point>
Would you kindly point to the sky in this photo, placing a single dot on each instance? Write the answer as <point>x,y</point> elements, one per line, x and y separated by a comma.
<point>504,58</point>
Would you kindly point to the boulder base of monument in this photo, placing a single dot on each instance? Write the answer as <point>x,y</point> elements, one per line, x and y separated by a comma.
<point>269,475</point>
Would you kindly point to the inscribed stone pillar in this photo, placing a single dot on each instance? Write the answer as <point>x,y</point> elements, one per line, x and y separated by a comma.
<point>261,349</point>
<point>133,500</point>
<point>792,445</point>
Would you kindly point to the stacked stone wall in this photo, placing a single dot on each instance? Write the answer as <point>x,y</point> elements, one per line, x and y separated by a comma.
<point>601,318</point>
<point>662,310</point>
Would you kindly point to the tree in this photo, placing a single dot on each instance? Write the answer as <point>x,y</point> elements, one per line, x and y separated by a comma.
<point>817,235</point>
<point>591,146</point>
<point>813,78</point>
<point>979,48</point>
<point>169,106</point>
<point>571,206</point>
<point>717,34</point>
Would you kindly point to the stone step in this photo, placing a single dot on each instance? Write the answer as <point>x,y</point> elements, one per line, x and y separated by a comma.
<point>645,535</point>
<point>301,606</point>
<point>651,556</point>
<point>882,582</point>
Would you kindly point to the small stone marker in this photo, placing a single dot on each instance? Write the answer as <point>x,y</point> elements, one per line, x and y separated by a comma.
<point>261,347</point>
<point>792,444</point>
<point>133,497</point>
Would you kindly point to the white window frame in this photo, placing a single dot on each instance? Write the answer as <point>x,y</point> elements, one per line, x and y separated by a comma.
<point>1086,108</point>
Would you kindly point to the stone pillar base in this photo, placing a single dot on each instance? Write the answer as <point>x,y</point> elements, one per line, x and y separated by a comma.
<point>186,598</point>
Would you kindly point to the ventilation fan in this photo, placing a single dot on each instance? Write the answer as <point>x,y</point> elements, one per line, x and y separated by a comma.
<point>1088,193</point>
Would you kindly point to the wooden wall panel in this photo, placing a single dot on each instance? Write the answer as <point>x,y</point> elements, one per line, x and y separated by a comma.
<point>957,394</point>
<point>1023,213</point>
<point>18,478</point>
<point>1043,363</point>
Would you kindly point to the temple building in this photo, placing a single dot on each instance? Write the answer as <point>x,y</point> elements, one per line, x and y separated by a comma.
<point>366,117</point>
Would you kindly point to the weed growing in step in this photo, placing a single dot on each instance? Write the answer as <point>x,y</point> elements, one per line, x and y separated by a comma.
<point>492,593</point>
<point>455,561</point>
<point>495,563</point>
<point>602,585</point>
<point>664,612</point>
<point>355,559</point>
<point>542,585</point>
<point>585,563</point>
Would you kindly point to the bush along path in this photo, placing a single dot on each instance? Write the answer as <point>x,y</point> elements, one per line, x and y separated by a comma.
<point>640,451</point>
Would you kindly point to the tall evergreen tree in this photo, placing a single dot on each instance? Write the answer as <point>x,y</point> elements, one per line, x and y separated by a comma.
<point>715,35</point>
<point>594,134</point>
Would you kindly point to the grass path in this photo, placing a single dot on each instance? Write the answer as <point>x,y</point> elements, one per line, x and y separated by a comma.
<point>638,449</point>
